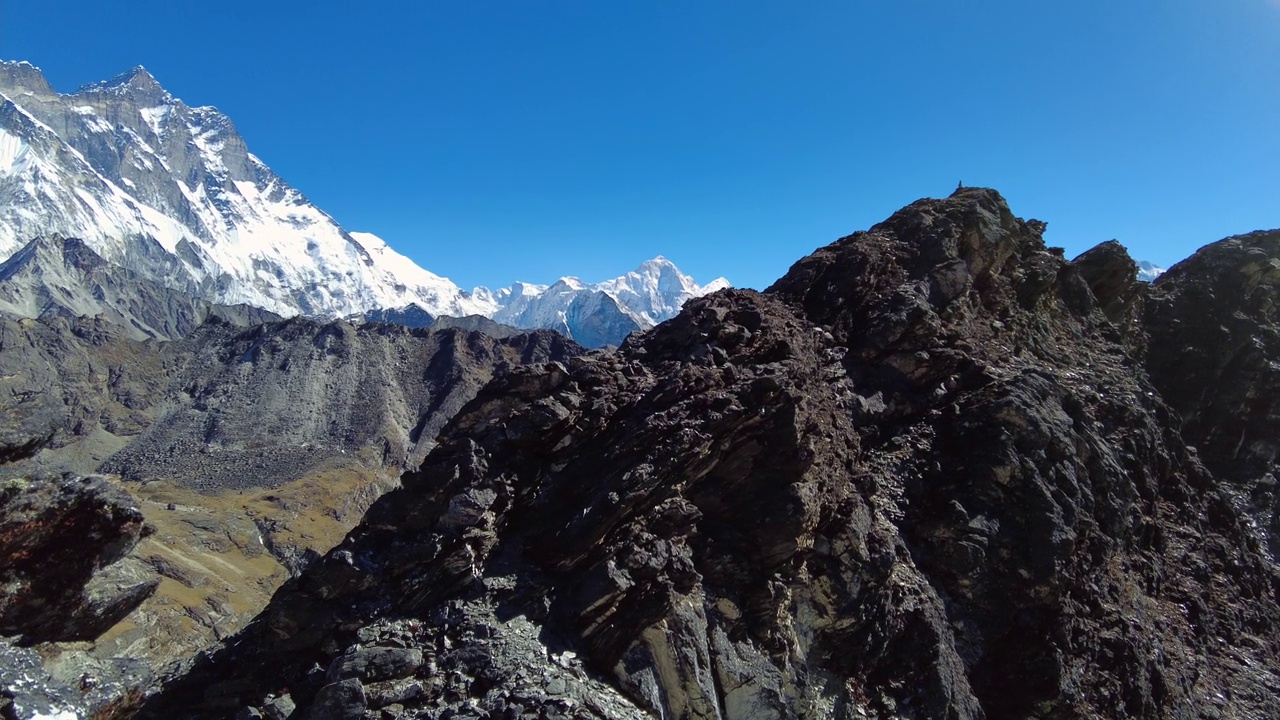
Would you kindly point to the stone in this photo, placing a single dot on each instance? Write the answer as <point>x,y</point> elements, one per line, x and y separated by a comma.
<point>279,707</point>
<point>377,663</point>
<point>344,700</point>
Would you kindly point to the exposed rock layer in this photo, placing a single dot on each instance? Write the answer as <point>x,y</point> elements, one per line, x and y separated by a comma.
<point>920,477</point>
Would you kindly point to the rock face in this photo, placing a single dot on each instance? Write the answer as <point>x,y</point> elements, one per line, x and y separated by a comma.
<point>61,543</point>
<point>1214,324</point>
<point>919,477</point>
<point>228,406</point>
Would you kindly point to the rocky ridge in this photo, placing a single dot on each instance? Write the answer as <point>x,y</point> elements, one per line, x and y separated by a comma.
<point>57,276</point>
<point>922,476</point>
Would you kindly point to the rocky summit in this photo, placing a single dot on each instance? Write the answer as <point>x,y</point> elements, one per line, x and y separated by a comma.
<point>935,471</point>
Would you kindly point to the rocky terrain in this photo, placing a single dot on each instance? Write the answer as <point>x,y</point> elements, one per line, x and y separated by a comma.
<point>935,471</point>
<point>1214,354</point>
<point>248,452</point>
<point>68,575</point>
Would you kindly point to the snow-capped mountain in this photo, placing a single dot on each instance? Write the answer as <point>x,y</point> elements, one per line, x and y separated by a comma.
<point>1148,272</point>
<point>602,313</point>
<point>171,192</point>
<point>595,315</point>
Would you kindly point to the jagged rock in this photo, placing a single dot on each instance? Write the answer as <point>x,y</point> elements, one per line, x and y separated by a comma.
<point>1214,324</point>
<point>1114,281</point>
<point>919,477</point>
<point>375,664</point>
<point>60,543</point>
<point>278,708</point>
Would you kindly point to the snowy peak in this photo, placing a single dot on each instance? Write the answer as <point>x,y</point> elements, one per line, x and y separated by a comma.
<point>1148,272</point>
<point>171,194</point>
<point>602,313</point>
<point>656,290</point>
<point>136,85</point>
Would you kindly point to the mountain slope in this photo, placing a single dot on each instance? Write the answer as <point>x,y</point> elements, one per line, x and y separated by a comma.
<point>919,477</point>
<point>250,451</point>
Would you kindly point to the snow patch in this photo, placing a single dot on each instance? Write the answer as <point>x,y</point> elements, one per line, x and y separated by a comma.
<point>14,153</point>
<point>154,117</point>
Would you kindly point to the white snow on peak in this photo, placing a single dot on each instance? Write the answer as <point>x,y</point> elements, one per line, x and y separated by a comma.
<point>155,117</point>
<point>1148,271</point>
<point>397,271</point>
<point>644,297</point>
<point>657,289</point>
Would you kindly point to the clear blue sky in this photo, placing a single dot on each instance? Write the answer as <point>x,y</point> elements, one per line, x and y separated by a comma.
<point>494,141</point>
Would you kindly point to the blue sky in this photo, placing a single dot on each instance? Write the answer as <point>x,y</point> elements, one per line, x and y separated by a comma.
<point>495,141</point>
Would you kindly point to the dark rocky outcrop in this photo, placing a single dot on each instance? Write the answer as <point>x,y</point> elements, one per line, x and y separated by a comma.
<point>1113,279</point>
<point>922,476</point>
<point>61,543</point>
<point>1214,326</point>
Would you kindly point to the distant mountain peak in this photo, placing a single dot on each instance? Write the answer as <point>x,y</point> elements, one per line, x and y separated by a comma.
<point>1148,271</point>
<point>22,77</point>
<point>135,83</point>
<point>136,75</point>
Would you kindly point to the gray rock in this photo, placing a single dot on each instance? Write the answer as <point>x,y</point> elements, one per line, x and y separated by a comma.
<point>377,663</point>
<point>279,707</point>
<point>60,546</point>
<point>343,700</point>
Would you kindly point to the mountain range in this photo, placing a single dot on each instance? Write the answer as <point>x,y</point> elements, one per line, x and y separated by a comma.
<point>172,194</point>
